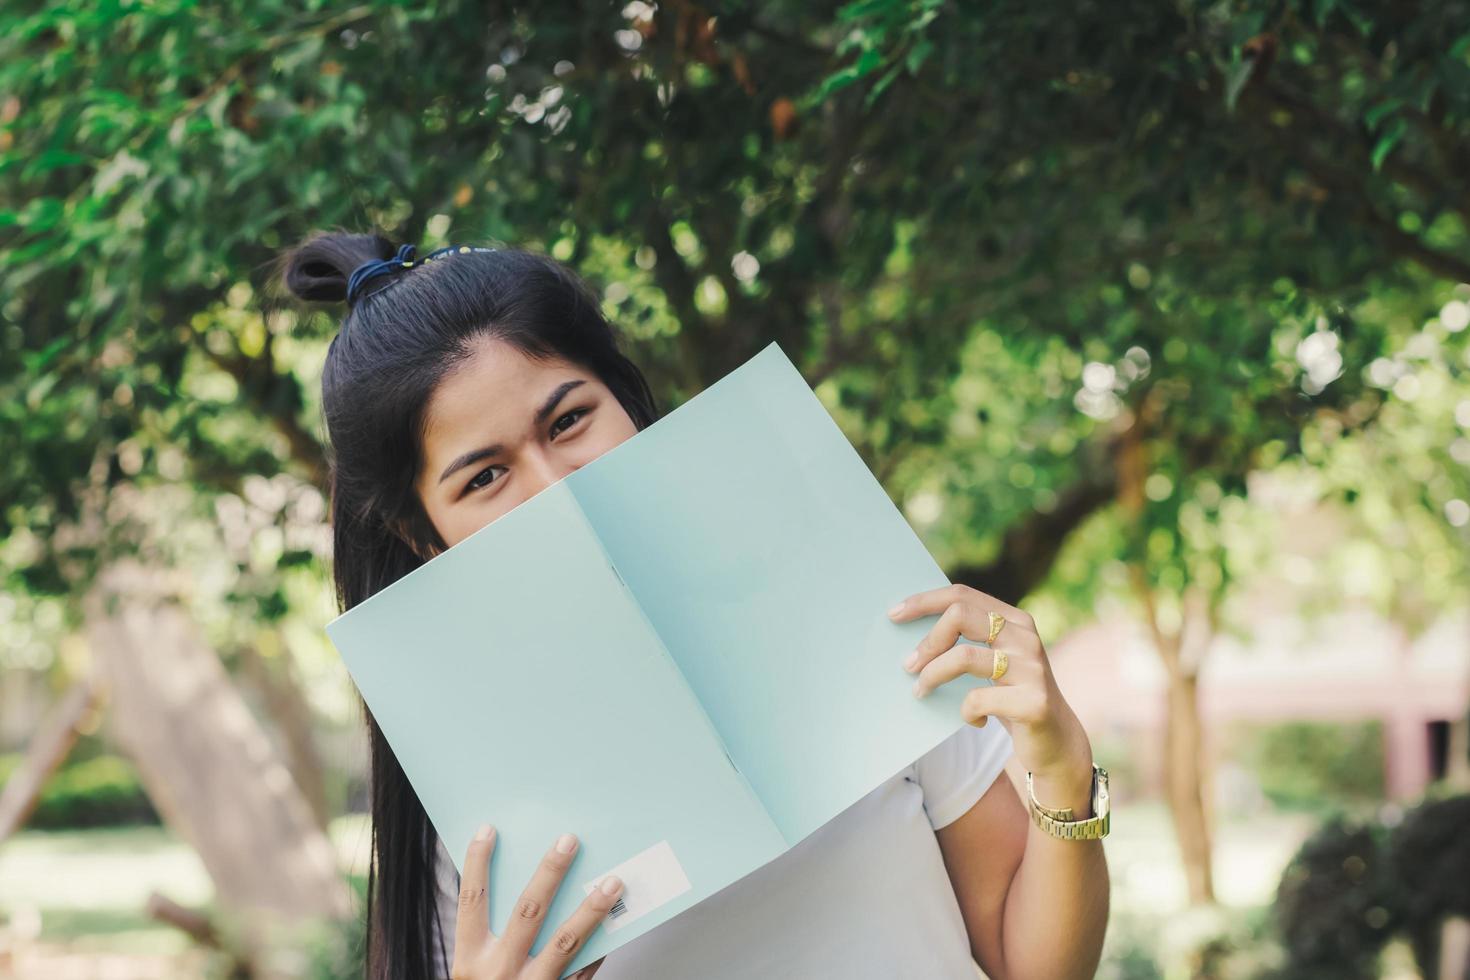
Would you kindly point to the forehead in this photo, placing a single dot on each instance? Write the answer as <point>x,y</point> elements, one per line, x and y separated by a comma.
<point>493,391</point>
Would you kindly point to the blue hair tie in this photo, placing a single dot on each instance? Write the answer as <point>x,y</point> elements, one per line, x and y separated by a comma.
<point>403,259</point>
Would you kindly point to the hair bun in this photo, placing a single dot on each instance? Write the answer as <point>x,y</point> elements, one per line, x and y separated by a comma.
<point>317,270</point>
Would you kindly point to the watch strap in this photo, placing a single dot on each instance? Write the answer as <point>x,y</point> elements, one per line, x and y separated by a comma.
<point>1060,822</point>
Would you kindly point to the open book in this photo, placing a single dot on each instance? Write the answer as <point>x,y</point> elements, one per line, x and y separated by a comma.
<point>680,652</point>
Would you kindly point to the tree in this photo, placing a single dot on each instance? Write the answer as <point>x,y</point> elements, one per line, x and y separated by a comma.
<point>1320,148</point>
<point>1127,218</point>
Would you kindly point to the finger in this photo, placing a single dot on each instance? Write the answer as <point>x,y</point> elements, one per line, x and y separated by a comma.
<point>531,907</point>
<point>1009,704</point>
<point>943,635</point>
<point>963,659</point>
<point>472,927</point>
<point>964,620</point>
<point>572,934</point>
<point>934,602</point>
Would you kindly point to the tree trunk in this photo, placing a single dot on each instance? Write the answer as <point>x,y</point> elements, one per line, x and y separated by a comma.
<point>1184,782</point>
<point>1454,949</point>
<point>1186,779</point>
<point>1182,651</point>
<point>209,768</point>
<point>289,710</point>
<point>45,754</point>
<point>1457,755</point>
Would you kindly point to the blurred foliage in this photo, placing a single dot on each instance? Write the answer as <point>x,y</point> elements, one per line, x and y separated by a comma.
<point>103,790</point>
<point>319,950</point>
<point>1429,854</point>
<point>1115,750</point>
<point>1354,885</point>
<point>1398,489</point>
<point>338,951</point>
<point>1215,942</point>
<point>1129,950</point>
<point>1336,904</point>
<point>1312,765</point>
<point>1186,240</point>
<point>1200,175</point>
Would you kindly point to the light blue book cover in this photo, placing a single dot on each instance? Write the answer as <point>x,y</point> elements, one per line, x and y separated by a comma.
<point>680,652</point>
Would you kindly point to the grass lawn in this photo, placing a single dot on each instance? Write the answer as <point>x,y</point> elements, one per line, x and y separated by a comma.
<point>72,902</point>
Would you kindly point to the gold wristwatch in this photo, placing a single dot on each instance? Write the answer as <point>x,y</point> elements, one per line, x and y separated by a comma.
<point>1061,823</point>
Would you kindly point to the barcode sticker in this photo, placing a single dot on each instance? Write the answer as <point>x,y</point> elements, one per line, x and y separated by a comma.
<point>650,879</point>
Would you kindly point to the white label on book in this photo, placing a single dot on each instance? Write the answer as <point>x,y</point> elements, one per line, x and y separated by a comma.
<point>650,878</point>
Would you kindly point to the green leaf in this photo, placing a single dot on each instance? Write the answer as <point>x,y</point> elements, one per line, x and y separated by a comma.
<point>41,214</point>
<point>860,9</point>
<point>853,40</point>
<point>868,62</point>
<point>832,83</point>
<point>1375,115</point>
<point>1236,76</point>
<point>1427,87</point>
<point>881,84</point>
<point>917,55</point>
<point>35,361</point>
<point>54,160</point>
<point>1392,134</point>
<point>925,19</point>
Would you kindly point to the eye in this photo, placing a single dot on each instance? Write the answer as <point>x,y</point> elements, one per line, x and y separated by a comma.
<point>483,478</point>
<point>479,482</point>
<point>574,416</point>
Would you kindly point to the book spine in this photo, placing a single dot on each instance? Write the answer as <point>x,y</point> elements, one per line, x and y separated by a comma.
<point>668,658</point>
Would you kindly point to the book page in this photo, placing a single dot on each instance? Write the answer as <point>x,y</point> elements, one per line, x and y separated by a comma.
<point>766,555</point>
<point>519,684</point>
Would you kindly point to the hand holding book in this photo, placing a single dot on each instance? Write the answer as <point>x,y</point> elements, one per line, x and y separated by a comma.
<point>1050,740</point>
<point>481,955</point>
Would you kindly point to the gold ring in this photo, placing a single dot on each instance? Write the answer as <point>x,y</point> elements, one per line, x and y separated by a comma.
<point>1001,663</point>
<point>996,622</point>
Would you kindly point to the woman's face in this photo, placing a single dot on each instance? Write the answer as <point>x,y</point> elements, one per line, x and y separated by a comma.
<point>501,427</point>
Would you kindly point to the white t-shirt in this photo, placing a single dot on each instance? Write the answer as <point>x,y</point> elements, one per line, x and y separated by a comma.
<point>865,895</point>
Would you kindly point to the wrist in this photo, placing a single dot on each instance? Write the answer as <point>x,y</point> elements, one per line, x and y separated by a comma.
<point>1065,788</point>
<point>1068,781</point>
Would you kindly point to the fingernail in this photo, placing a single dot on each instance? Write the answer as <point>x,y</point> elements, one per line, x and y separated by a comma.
<point>484,832</point>
<point>896,609</point>
<point>565,843</point>
<point>611,885</point>
<point>911,661</point>
<point>918,689</point>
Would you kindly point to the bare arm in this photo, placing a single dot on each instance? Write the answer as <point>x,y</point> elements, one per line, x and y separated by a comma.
<point>1035,907</point>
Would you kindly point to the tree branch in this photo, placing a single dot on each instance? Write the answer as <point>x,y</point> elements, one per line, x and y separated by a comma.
<point>1030,547</point>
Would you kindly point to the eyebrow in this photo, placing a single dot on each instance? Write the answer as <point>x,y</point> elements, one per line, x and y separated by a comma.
<point>476,455</point>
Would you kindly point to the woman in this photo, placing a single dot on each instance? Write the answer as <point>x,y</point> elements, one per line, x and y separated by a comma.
<point>459,387</point>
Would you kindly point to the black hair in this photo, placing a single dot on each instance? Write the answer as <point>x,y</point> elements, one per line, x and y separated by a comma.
<point>404,331</point>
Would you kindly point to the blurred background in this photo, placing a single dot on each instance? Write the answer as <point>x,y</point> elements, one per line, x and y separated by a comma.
<point>1150,317</point>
